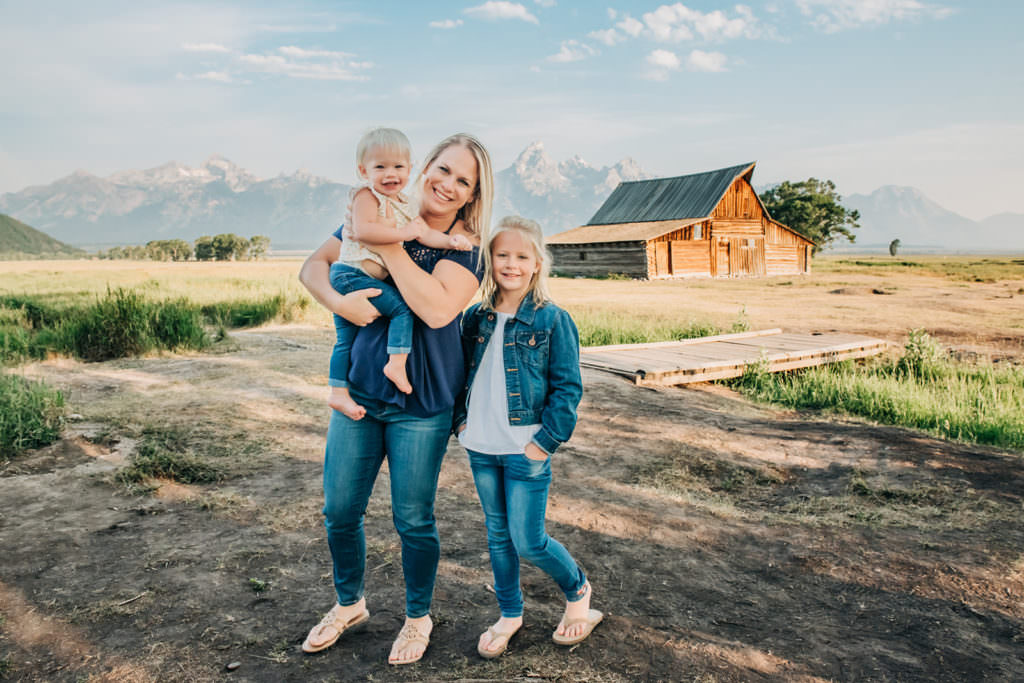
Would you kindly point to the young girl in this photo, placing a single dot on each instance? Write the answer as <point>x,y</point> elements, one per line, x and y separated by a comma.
<point>522,354</point>
<point>381,214</point>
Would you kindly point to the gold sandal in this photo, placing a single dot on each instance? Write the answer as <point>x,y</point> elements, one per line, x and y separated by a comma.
<point>408,635</point>
<point>315,641</point>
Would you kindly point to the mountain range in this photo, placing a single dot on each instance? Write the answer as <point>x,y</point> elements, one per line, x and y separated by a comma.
<point>296,211</point>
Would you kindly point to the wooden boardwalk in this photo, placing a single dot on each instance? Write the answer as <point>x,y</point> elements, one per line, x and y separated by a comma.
<point>726,355</point>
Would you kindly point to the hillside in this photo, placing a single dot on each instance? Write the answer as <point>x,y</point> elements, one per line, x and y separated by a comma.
<point>21,239</point>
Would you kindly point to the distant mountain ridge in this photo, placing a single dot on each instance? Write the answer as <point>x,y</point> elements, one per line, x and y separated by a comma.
<point>298,210</point>
<point>20,239</point>
<point>176,201</point>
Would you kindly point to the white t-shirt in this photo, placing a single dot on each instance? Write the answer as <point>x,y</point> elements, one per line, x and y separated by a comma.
<point>487,428</point>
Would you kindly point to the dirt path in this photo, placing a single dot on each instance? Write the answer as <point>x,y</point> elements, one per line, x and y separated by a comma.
<point>725,541</point>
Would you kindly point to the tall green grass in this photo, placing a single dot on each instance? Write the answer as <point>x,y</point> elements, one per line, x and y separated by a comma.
<point>976,403</point>
<point>31,415</point>
<point>124,323</point>
<point>601,327</point>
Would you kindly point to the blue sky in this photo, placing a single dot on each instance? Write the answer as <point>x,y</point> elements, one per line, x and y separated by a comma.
<point>864,92</point>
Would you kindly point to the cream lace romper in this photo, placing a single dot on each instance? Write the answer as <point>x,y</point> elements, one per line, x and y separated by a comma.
<point>353,253</point>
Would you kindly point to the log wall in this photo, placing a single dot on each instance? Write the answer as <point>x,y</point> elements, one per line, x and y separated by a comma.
<point>598,260</point>
<point>782,259</point>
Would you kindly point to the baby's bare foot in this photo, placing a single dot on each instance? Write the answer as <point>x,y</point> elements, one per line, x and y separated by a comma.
<point>394,370</point>
<point>341,401</point>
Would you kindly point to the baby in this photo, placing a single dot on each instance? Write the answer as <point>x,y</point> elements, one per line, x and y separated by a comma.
<point>381,214</point>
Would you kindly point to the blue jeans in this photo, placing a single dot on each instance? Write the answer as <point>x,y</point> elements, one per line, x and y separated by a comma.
<point>389,302</point>
<point>414,448</point>
<point>513,491</point>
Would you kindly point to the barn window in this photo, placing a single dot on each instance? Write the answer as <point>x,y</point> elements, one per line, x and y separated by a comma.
<point>698,232</point>
<point>751,242</point>
<point>583,256</point>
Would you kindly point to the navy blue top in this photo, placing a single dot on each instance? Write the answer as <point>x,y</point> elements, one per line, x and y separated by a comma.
<point>435,366</point>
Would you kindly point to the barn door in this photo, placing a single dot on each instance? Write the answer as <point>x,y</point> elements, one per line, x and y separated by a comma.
<point>662,264</point>
<point>746,256</point>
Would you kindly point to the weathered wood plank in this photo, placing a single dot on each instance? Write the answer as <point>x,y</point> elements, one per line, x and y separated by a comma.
<point>699,360</point>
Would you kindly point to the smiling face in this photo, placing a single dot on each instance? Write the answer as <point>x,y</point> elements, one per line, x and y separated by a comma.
<point>449,182</point>
<point>514,264</point>
<point>386,169</point>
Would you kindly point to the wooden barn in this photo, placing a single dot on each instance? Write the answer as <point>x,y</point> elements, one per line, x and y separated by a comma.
<point>708,224</point>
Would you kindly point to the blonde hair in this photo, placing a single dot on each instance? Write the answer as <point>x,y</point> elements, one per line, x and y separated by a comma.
<point>538,288</point>
<point>390,139</point>
<point>476,213</point>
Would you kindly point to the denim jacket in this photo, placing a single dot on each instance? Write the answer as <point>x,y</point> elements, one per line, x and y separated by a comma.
<point>542,368</point>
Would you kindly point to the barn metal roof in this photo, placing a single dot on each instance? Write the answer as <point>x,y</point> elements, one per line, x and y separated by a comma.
<point>665,199</point>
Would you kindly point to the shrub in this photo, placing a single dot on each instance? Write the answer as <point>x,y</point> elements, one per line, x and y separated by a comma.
<point>31,415</point>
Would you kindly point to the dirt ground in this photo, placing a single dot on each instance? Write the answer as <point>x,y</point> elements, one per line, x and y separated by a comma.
<point>725,541</point>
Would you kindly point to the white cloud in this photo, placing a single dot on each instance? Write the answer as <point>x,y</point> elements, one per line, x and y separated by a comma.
<point>301,53</point>
<point>608,36</point>
<point>831,16</point>
<point>665,59</point>
<point>677,22</point>
<point>204,47</point>
<point>500,9</point>
<point>612,14</point>
<point>572,51</point>
<point>706,61</point>
<point>447,23</point>
<point>219,76</point>
<point>631,26</point>
<point>275,64</point>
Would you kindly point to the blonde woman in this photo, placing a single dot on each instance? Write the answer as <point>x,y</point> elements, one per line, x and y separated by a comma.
<point>409,430</point>
<point>524,386</point>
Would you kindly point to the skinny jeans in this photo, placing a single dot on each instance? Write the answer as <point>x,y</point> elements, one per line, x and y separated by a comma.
<point>513,491</point>
<point>414,448</point>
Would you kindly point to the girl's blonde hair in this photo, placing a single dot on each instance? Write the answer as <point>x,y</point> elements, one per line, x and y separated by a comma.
<point>538,288</point>
<point>390,139</point>
<point>476,213</point>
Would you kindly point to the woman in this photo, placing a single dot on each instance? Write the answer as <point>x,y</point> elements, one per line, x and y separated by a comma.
<point>411,431</point>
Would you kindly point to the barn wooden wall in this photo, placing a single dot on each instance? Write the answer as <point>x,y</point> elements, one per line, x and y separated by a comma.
<point>598,260</point>
<point>740,202</point>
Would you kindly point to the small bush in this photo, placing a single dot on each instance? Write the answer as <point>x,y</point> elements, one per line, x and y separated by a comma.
<point>178,325</point>
<point>922,357</point>
<point>31,415</point>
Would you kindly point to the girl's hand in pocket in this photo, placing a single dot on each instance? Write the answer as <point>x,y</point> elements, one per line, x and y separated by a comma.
<point>533,452</point>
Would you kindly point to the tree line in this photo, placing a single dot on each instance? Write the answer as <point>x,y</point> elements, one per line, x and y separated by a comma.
<point>224,247</point>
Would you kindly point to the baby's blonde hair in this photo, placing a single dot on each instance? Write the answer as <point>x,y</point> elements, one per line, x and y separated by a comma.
<point>390,139</point>
<point>477,212</point>
<point>531,230</point>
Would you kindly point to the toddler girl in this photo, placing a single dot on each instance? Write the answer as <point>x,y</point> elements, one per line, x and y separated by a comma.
<point>380,214</point>
<point>522,354</point>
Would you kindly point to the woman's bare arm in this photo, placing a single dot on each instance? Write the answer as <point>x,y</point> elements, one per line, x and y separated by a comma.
<point>315,275</point>
<point>437,297</point>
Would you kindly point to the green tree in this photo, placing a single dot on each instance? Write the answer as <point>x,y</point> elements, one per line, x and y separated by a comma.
<point>204,248</point>
<point>812,208</point>
<point>894,246</point>
<point>258,247</point>
<point>228,246</point>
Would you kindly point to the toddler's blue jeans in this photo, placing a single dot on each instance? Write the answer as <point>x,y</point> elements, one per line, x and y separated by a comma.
<point>389,302</point>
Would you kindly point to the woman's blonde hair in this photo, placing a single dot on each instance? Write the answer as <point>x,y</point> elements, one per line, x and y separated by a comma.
<point>538,288</point>
<point>390,139</point>
<point>476,213</point>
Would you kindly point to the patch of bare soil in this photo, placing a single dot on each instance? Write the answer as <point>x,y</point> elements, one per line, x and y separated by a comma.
<point>725,541</point>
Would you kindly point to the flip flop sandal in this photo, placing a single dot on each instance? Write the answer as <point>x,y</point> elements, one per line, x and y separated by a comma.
<point>409,634</point>
<point>592,619</point>
<point>314,641</point>
<point>504,636</point>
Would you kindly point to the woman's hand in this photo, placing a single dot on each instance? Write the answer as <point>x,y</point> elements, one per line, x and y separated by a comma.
<point>533,452</point>
<point>356,308</point>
